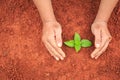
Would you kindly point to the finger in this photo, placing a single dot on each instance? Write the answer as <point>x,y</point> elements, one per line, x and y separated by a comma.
<point>98,38</point>
<point>96,51</point>
<point>105,34</point>
<point>93,54</point>
<point>58,36</point>
<point>103,49</point>
<point>58,50</point>
<point>53,52</point>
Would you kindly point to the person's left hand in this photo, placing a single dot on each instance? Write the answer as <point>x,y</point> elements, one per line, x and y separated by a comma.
<point>102,38</point>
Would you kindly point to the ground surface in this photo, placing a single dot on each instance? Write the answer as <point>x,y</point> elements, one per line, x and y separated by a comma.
<point>24,57</point>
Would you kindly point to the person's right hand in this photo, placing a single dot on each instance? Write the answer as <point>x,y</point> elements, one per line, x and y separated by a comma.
<point>52,39</point>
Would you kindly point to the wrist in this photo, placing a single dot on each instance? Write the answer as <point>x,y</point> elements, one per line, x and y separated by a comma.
<point>100,23</point>
<point>50,21</point>
<point>100,20</point>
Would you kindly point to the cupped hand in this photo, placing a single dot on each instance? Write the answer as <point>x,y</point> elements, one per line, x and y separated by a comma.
<point>52,39</point>
<point>102,38</point>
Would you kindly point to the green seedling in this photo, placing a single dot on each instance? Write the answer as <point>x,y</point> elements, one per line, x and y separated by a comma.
<point>77,42</point>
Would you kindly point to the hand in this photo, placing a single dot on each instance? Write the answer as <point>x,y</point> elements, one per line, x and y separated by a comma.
<point>52,39</point>
<point>102,38</point>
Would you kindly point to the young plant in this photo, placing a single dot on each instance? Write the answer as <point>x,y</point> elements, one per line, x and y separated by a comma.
<point>77,42</point>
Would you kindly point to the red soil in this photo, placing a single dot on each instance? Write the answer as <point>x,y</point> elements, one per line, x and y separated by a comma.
<point>24,57</point>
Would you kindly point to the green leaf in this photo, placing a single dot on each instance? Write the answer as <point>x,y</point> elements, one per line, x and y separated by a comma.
<point>77,39</point>
<point>86,43</point>
<point>77,42</point>
<point>77,48</point>
<point>69,43</point>
<point>77,36</point>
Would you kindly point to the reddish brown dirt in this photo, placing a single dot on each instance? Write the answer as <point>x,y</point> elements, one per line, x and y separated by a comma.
<point>24,57</point>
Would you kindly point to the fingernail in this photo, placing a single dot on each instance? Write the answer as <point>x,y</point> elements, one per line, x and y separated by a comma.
<point>62,58</point>
<point>59,44</point>
<point>97,45</point>
<point>57,58</point>
<point>96,57</point>
<point>92,56</point>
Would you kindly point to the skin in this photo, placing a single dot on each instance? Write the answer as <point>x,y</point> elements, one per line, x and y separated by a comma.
<point>52,29</point>
<point>99,27</point>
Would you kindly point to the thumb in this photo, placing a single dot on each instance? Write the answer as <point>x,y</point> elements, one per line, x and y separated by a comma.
<point>98,38</point>
<point>58,35</point>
